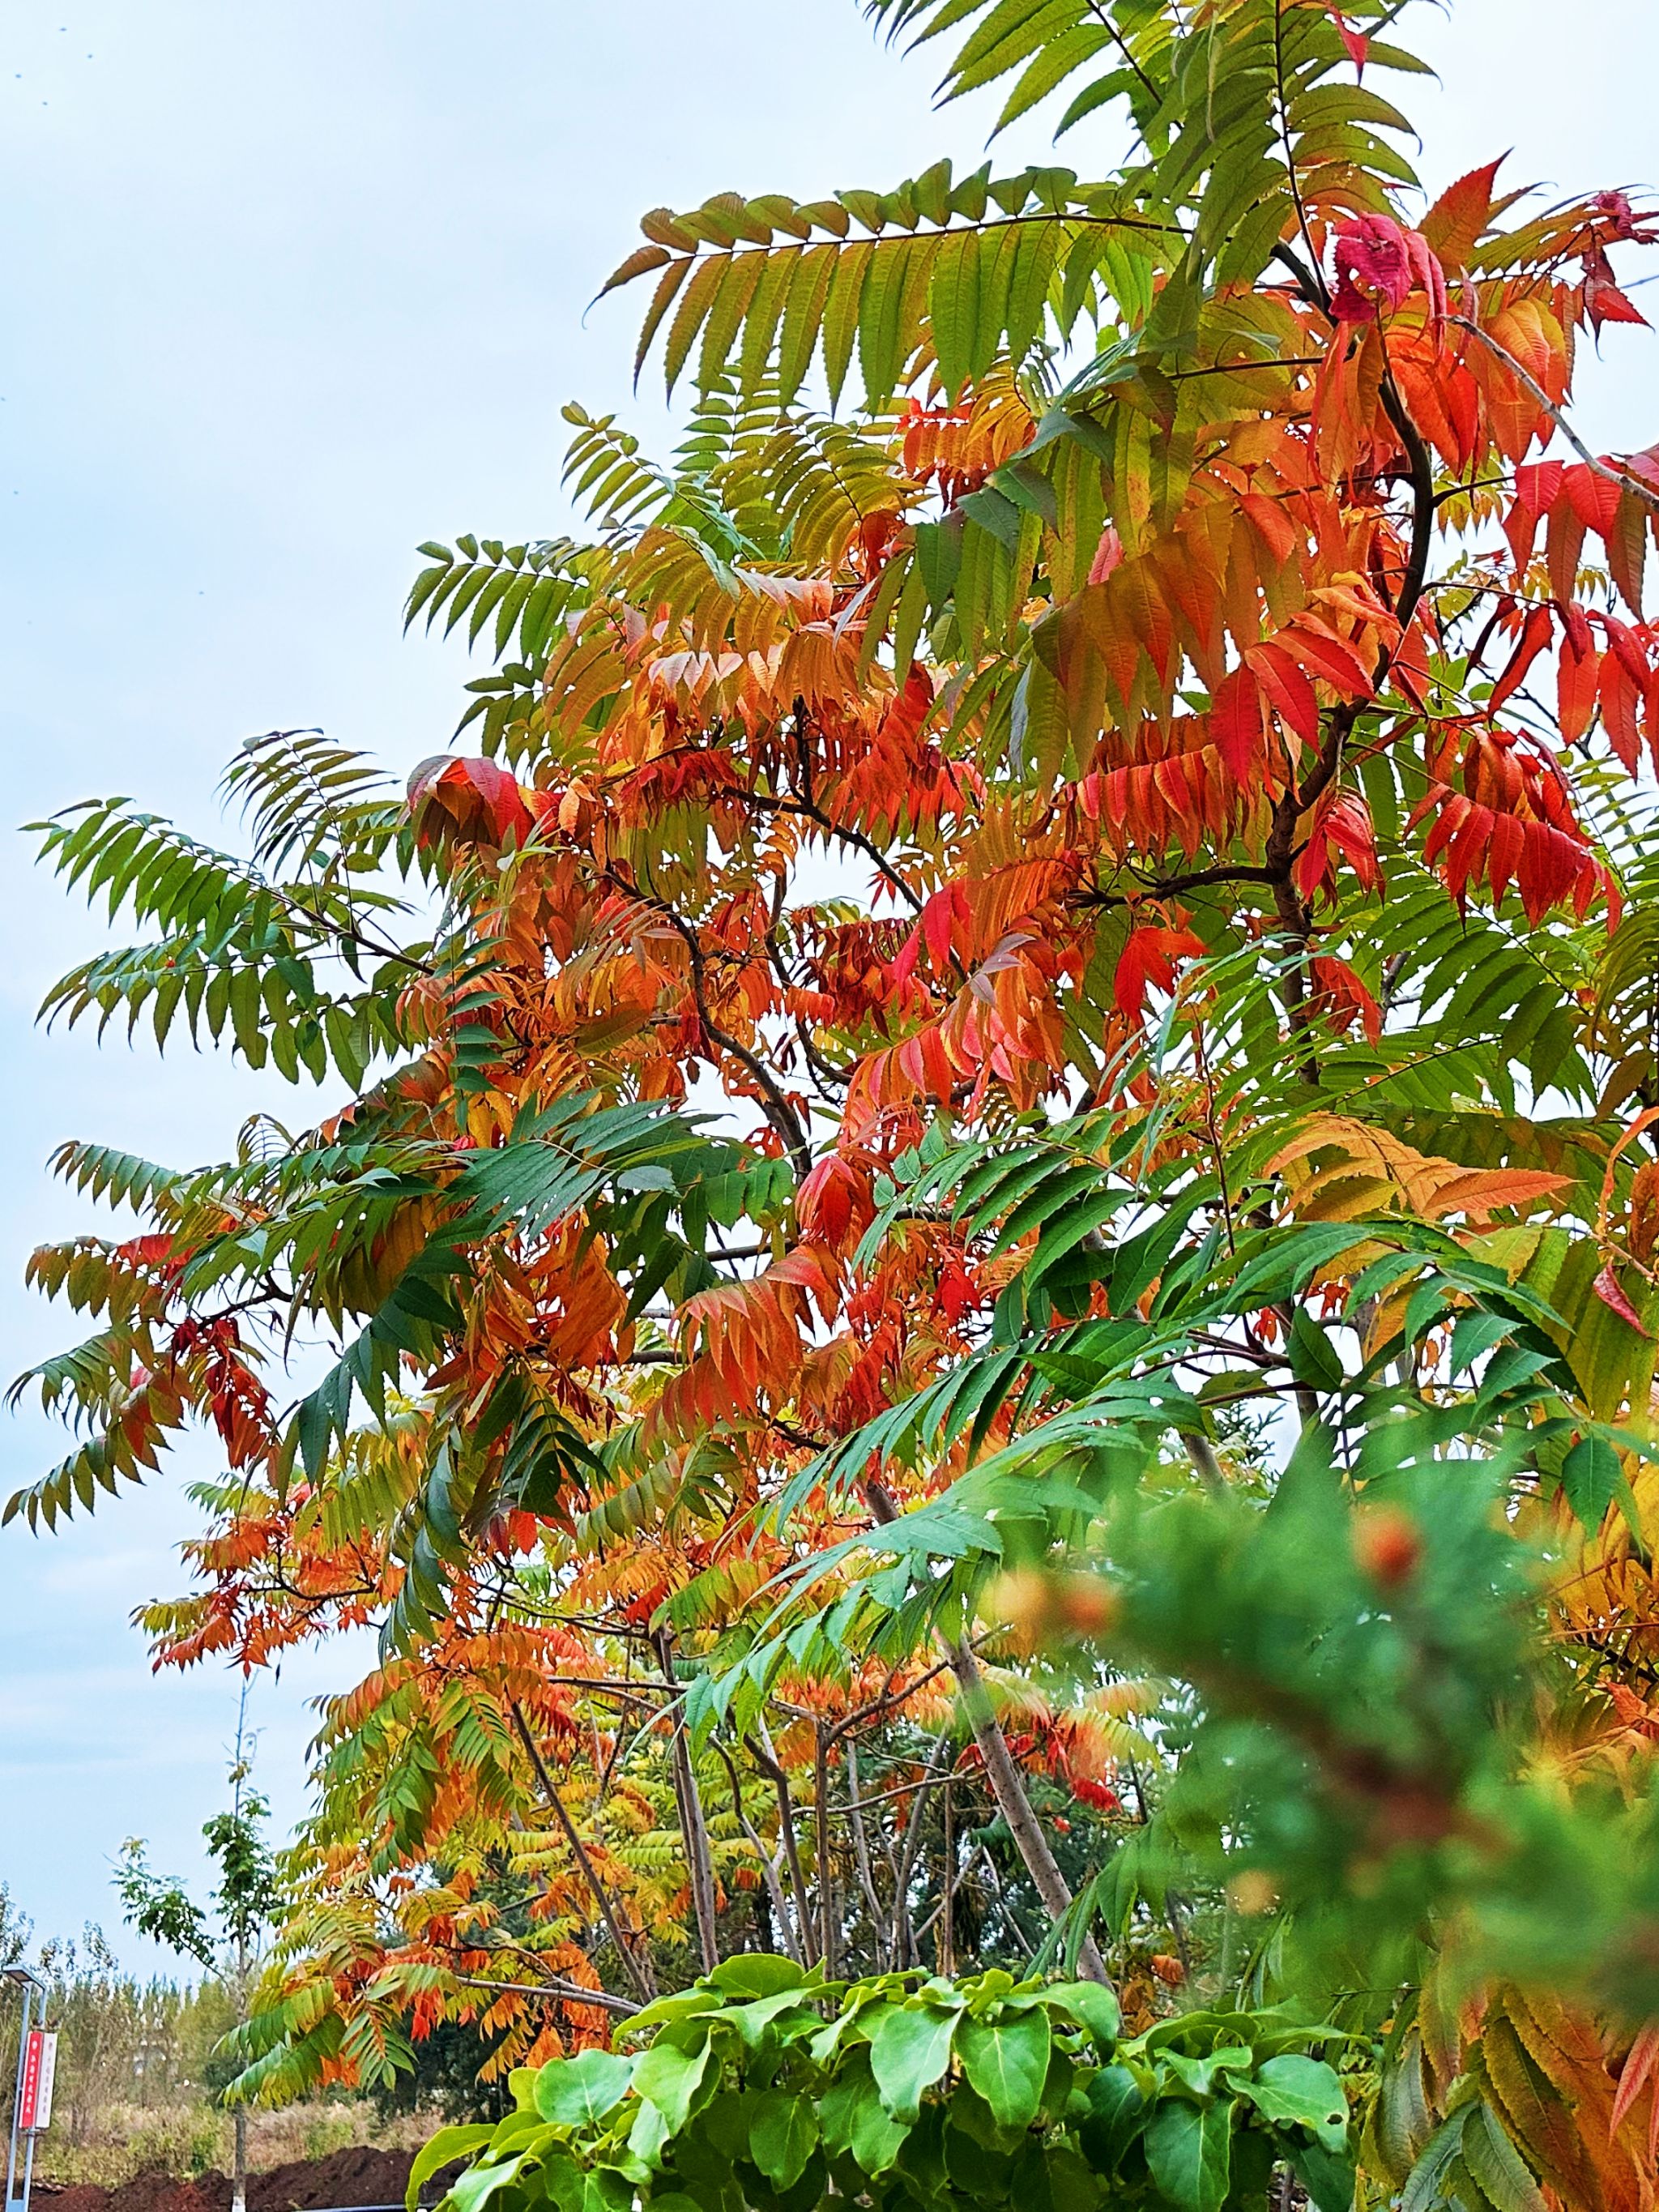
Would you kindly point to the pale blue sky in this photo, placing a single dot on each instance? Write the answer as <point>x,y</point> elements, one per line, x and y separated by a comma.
<point>287,290</point>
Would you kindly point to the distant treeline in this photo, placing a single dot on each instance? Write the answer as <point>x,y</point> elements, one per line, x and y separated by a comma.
<point>138,2078</point>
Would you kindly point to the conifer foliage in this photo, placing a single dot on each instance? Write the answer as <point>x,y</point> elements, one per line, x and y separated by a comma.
<point>979,1292</point>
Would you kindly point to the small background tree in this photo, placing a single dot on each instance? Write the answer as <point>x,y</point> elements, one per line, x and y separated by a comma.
<point>225,1937</point>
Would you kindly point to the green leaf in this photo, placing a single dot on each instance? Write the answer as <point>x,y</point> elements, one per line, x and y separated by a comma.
<point>1188,2148</point>
<point>448,2144</point>
<point>909,2050</point>
<point>877,2137</point>
<point>1117,2109</point>
<point>1329,2179</point>
<point>783,2133</point>
<point>854,2119</point>
<point>1008,2062</point>
<point>572,2092</point>
<point>1496,2164</point>
<point>1302,2092</point>
<point>1423,2192</point>
<point>1591,1479</point>
<point>953,304</point>
<point>1094,2005</point>
<point>1314,1357</point>
<point>474,2188</point>
<point>647,2138</point>
<point>670,2078</point>
<point>757,1974</point>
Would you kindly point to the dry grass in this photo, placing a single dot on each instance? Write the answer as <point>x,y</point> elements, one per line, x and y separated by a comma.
<point>186,2139</point>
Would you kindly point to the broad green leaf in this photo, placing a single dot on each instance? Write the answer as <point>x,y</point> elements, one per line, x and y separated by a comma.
<point>474,2189</point>
<point>756,1974</point>
<point>1117,2111</point>
<point>909,2050</point>
<point>1302,2092</point>
<point>878,2137</point>
<point>670,2078</point>
<point>1093,2003</point>
<point>648,2137</point>
<point>1328,2179</point>
<point>1188,2148</point>
<point>1008,2062</point>
<point>448,2144</point>
<point>572,2092</point>
<point>783,2133</point>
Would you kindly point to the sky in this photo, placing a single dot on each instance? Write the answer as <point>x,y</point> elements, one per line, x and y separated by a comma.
<point>285,292</point>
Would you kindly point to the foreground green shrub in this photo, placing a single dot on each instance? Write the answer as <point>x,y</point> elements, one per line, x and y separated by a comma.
<point>766,2087</point>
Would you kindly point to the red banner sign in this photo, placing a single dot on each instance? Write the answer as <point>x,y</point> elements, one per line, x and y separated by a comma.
<point>40,2065</point>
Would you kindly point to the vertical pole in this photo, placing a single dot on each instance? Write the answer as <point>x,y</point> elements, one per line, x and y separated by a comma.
<point>25,2024</point>
<point>239,2113</point>
<point>947,1933</point>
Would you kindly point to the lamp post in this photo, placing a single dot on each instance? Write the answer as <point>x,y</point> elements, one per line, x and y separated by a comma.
<point>31,2108</point>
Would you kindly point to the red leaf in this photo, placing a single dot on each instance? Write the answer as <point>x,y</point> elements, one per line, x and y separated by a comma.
<point>1236,723</point>
<point>1340,996</point>
<point>1373,268</point>
<point>1537,488</point>
<point>1564,542</point>
<point>1289,692</point>
<point>1108,555</point>
<point>1634,2074</point>
<point>1324,655</point>
<point>1605,1287</point>
<point>483,801</point>
<point>1603,300</point>
<point>1357,43</point>
<point>1575,671</point>
<point>1534,637</point>
<point>1594,498</point>
<point>833,1204</point>
<point>1463,211</point>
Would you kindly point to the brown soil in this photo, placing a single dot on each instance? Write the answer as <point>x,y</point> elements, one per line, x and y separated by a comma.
<point>359,2174</point>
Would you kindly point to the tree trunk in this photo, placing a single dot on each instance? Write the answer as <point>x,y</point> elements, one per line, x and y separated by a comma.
<point>694,1828</point>
<point>635,1963</point>
<point>766,1759</point>
<point>1008,1785</point>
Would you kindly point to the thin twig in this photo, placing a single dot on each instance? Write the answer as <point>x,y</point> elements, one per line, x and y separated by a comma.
<point>1627,479</point>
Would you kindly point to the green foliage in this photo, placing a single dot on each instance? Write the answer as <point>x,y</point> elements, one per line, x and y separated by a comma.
<point>766,2086</point>
<point>159,1907</point>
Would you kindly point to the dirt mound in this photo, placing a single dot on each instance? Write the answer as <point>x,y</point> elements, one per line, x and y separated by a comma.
<point>358,2175</point>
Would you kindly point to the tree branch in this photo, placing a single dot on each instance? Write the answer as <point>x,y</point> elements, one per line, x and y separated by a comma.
<point>638,1969</point>
<point>1627,479</point>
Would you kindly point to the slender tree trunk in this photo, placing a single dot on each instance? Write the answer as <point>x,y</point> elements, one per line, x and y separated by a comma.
<point>635,1964</point>
<point>1007,1785</point>
<point>766,1759</point>
<point>903,1938</point>
<point>783,1920</point>
<point>694,1828</point>
<point>239,2159</point>
<point>861,1853</point>
<point>947,1932</point>
<point>826,1946</point>
<point>239,2113</point>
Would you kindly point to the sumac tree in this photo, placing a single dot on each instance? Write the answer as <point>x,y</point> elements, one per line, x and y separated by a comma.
<point>987,1231</point>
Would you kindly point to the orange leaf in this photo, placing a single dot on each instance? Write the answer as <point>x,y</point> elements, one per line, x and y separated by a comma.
<point>1150,957</point>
